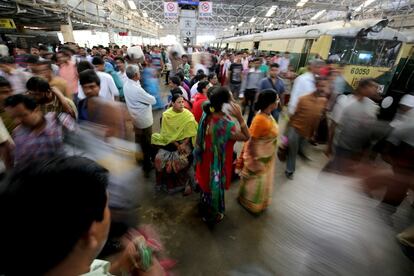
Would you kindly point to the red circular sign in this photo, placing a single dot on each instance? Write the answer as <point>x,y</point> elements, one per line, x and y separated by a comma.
<point>171,7</point>
<point>205,7</point>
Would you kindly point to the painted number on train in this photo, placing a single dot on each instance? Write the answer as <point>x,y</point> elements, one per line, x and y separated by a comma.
<point>360,71</point>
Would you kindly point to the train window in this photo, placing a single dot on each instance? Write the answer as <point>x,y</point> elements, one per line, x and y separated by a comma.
<point>362,51</point>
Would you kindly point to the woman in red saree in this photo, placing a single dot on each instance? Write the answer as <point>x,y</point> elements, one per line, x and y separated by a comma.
<point>213,152</point>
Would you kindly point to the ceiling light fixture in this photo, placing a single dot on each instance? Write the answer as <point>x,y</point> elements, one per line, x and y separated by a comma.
<point>302,3</point>
<point>318,14</point>
<point>232,27</point>
<point>288,22</point>
<point>145,14</point>
<point>132,5</point>
<point>225,29</point>
<point>241,24</point>
<point>271,11</point>
<point>252,19</point>
<point>366,4</point>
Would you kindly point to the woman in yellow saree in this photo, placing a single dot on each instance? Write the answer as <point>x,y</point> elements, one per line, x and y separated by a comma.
<point>256,162</point>
<point>173,162</point>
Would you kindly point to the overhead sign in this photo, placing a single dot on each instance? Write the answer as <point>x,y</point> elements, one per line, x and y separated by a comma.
<point>188,24</point>
<point>205,9</point>
<point>170,9</point>
<point>7,23</point>
<point>188,2</point>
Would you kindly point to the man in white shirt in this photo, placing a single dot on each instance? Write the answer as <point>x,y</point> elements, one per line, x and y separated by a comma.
<point>108,88</point>
<point>304,84</point>
<point>16,76</point>
<point>284,62</point>
<point>139,104</point>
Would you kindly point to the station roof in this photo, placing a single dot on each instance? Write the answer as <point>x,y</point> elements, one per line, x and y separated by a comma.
<point>230,17</point>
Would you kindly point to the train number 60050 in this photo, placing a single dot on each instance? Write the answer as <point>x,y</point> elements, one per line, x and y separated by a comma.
<point>359,71</point>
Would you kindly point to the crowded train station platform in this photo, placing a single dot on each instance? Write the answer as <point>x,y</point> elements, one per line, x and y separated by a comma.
<point>221,137</point>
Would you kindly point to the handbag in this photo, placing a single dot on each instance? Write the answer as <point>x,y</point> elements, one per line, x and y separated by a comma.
<point>282,153</point>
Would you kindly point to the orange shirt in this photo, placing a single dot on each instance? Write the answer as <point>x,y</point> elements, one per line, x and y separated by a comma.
<point>308,114</point>
<point>68,72</point>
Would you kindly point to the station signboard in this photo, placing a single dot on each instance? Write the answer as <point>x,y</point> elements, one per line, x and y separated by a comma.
<point>205,9</point>
<point>170,9</point>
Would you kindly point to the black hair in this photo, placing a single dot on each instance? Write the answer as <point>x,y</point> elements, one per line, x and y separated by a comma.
<point>34,47</point>
<point>274,65</point>
<point>4,82</point>
<point>43,48</point>
<point>211,90</point>
<point>32,59</point>
<point>45,62</point>
<point>97,61</point>
<point>265,98</point>
<point>219,97</point>
<point>200,71</point>
<point>38,214</point>
<point>176,91</point>
<point>14,100</point>
<point>38,84</point>
<point>201,85</point>
<point>180,74</point>
<point>64,51</point>
<point>89,76</point>
<point>175,80</point>
<point>211,76</point>
<point>120,59</point>
<point>175,96</point>
<point>84,65</point>
<point>7,60</point>
<point>364,83</point>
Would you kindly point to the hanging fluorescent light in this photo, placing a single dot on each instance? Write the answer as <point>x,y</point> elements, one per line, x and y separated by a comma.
<point>232,27</point>
<point>270,25</point>
<point>318,14</point>
<point>145,14</point>
<point>271,11</point>
<point>241,24</point>
<point>288,22</point>
<point>161,27</point>
<point>132,5</point>
<point>366,4</point>
<point>252,19</point>
<point>302,3</point>
<point>225,29</point>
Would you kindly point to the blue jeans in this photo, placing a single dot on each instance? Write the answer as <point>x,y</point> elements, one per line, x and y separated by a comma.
<point>296,144</point>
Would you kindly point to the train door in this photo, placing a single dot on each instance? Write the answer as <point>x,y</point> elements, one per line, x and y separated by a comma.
<point>256,45</point>
<point>237,46</point>
<point>305,52</point>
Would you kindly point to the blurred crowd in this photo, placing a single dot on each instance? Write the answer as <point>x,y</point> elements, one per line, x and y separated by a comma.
<point>54,101</point>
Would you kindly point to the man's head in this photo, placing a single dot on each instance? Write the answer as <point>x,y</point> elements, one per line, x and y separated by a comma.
<point>39,89</point>
<point>287,55</point>
<point>34,50</point>
<point>53,223</point>
<point>274,70</point>
<point>212,78</point>
<point>94,50</point>
<point>184,58</point>
<point>120,63</point>
<point>43,50</point>
<point>82,52</point>
<point>132,72</point>
<point>31,61</point>
<point>174,82</point>
<point>43,69</point>
<point>256,62</point>
<point>99,64</point>
<point>62,57</point>
<point>5,89</point>
<point>315,66</point>
<point>367,88</point>
<point>202,87</point>
<point>23,109</point>
<point>90,82</point>
<point>7,64</point>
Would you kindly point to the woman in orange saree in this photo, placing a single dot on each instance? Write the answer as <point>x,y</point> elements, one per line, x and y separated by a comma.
<point>256,162</point>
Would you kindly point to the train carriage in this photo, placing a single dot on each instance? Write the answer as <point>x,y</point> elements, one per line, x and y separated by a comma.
<point>368,48</point>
